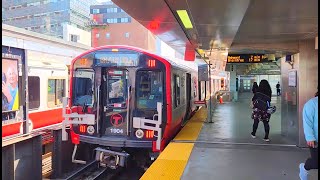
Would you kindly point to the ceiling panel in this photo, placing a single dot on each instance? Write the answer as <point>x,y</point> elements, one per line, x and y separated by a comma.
<point>218,12</point>
<point>244,26</point>
<point>214,20</point>
<point>275,21</point>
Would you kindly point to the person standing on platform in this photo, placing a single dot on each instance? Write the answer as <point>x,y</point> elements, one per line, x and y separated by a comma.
<point>310,128</point>
<point>278,89</point>
<point>261,114</point>
<point>255,87</point>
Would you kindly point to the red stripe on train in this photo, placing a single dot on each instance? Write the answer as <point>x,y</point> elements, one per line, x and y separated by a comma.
<point>46,118</point>
<point>11,129</point>
<point>39,120</point>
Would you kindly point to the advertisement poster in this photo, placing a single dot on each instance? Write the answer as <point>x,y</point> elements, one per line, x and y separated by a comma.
<point>10,89</point>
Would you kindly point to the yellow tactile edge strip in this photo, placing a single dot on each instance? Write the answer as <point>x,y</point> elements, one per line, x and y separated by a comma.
<point>172,161</point>
<point>192,129</point>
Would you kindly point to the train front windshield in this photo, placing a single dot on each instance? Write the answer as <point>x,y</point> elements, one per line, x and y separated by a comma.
<point>117,88</point>
<point>83,80</point>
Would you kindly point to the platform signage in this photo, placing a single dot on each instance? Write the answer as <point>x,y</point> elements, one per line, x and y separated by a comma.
<point>247,58</point>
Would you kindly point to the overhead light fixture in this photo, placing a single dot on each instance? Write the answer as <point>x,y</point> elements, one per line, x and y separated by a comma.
<point>184,17</point>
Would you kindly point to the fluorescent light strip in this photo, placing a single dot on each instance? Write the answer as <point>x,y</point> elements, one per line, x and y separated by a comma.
<point>184,17</point>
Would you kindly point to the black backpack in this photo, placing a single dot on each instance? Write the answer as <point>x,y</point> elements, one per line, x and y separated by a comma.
<point>262,101</point>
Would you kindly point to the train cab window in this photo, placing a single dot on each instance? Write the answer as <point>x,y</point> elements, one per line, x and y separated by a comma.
<point>34,91</point>
<point>149,89</point>
<point>176,92</point>
<point>56,89</point>
<point>117,88</point>
<point>83,87</point>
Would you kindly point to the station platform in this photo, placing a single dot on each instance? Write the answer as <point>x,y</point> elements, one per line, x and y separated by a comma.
<point>225,150</point>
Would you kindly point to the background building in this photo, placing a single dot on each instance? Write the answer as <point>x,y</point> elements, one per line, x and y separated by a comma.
<point>66,19</point>
<point>113,26</point>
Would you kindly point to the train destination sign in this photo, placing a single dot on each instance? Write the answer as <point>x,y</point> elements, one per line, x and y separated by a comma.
<point>247,58</point>
<point>116,59</point>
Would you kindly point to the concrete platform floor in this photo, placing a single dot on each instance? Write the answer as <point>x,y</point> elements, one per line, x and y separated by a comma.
<point>232,123</point>
<point>225,150</point>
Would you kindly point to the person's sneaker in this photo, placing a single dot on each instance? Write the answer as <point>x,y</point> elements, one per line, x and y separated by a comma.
<point>266,139</point>
<point>303,172</point>
<point>253,136</point>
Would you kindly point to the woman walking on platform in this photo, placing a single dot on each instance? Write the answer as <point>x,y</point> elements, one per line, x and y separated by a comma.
<point>261,101</point>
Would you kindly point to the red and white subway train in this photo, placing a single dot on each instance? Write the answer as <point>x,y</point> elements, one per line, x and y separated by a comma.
<point>137,101</point>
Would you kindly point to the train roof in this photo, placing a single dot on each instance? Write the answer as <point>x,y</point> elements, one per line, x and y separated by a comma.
<point>169,60</point>
<point>180,63</point>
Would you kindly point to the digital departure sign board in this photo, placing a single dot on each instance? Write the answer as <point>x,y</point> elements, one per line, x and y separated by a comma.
<point>116,59</point>
<point>247,58</point>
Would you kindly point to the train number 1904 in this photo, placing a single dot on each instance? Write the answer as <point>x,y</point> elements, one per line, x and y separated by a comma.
<point>117,131</point>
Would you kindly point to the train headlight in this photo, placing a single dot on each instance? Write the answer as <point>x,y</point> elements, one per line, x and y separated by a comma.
<point>139,133</point>
<point>90,130</point>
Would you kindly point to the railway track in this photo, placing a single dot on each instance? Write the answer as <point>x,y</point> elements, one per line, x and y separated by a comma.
<point>92,171</point>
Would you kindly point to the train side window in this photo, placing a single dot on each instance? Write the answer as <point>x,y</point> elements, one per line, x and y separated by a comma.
<point>176,96</point>
<point>56,89</point>
<point>149,89</point>
<point>34,91</point>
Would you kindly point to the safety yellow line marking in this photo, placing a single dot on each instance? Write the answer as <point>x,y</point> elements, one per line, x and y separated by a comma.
<point>190,132</point>
<point>165,170</point>
<point>177,151</point>
<point>172,161</point>
<point>192,129</point>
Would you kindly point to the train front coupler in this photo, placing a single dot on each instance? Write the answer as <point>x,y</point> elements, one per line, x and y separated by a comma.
<point>111,159</point>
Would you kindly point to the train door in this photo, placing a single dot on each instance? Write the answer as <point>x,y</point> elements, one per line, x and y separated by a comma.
<point>115,104</point>
<point>188,91</point>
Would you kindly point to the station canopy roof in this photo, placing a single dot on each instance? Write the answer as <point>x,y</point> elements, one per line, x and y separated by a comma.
<point>216,28</point>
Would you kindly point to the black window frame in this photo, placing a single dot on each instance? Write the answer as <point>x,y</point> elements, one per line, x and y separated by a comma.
<point>31,93</point>
<point>56,92</point>
<point>177,90</point>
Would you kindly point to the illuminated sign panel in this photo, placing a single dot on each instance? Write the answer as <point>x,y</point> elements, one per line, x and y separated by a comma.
<point>116,59</point>
<point>247,58</point>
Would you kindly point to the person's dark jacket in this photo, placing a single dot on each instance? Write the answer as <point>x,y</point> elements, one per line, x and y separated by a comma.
<point>263,96</point>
